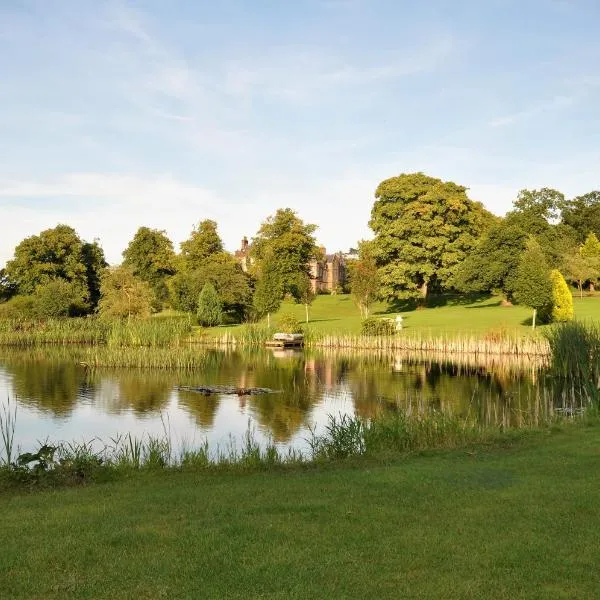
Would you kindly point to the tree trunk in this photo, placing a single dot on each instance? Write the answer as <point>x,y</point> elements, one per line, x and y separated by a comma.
<point>580,284</point>
<point>533,321</point>
<point>269,320</point>
<point>306,309</point>
<point>592,287</point>
<point>423,290</point>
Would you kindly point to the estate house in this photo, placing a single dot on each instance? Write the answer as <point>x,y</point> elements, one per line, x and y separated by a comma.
<point>327,274</point>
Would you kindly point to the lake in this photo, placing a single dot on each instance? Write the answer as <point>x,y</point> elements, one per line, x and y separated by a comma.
<point>60,400</point>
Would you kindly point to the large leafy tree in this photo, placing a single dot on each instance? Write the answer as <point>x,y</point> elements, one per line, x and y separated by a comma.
<point>287,244</point>
<point>123,295</point>
<point>534,210</point>
<point>492,266</point>
<point>424,228</point>
<point>583,214</point>
<point>203,242</point>
<point>57,253</point>
<point>151,257</point>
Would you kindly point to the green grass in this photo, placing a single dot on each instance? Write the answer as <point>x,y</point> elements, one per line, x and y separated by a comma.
<point>338,315</point>
<point>496,522</point>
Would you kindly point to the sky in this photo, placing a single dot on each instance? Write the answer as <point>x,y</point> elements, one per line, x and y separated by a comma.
<point>116,114</point>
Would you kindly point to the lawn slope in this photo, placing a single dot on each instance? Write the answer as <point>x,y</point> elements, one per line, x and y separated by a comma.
<point>503,522</point>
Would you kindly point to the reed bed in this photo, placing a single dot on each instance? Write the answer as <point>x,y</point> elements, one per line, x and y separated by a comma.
<point>53,331</point>
<point>95,332</point>
<point>180,357</point>
<point>575,363</point>
<point>476,346</point>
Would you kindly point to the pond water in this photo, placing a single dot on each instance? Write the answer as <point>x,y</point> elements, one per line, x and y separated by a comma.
<point>60,400</point>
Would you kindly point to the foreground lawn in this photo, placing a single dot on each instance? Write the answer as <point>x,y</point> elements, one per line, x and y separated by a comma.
<point>339,315</point>
<point>512,522</point>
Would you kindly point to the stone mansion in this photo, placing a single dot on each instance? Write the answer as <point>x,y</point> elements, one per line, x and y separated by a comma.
<point>327,274</point>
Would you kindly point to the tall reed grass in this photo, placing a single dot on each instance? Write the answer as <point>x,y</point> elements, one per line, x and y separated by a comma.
<point>575,360</point>
<point>152,333</point>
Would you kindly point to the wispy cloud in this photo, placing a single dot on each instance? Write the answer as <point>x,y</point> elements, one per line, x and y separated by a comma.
<point>555,104</point>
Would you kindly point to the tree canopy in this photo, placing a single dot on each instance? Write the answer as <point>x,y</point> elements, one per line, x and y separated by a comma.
<point>203,242</point>
<point>123,295</point>
<point>287,244</point>
<point>583,214</point>
<point>151,257</point>
<point>424,228</point>
<point>53,254</point>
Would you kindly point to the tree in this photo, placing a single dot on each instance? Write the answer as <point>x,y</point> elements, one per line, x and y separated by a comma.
<point>580,269</point>
<point>590,250</point>
<point>424,228</point>
<point>364,279</point>
<point>225,273</point>
<point>53,254</point>
<point>303,292</point>
<point>562,300</point>
<point>203,242</point>
<point>287,244</point>
<point>209,311</point>
<point>492,265</point>
<point>7,288</point>
<point>268,292</point>
<point>537,208</point>
<point>92,257</point>
<point>532,284</point>
<point>583,214</point>
<point>123,295</point>
<point>59,298</point>
<point>150,257</point>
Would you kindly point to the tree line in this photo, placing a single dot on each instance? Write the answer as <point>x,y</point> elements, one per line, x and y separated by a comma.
<point>429,238</point>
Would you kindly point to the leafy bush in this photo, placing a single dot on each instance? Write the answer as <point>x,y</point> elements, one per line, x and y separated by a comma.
<point>210,310</point>
<point>288,323</point>
<point>59,298</point>
<point>373,326</point>
<point>562,300</point>
<point>17,308</point>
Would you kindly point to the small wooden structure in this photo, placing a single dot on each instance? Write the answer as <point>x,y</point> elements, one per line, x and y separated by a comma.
<point>286,340</point>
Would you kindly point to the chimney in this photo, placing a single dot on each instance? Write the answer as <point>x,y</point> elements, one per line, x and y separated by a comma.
<point>244,244</point>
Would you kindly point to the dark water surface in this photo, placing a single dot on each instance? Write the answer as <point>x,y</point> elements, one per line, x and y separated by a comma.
<point>60,400</point>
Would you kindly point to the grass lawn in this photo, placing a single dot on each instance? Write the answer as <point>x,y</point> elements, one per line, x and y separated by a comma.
<point>502,522</point>
<point>339,315</point>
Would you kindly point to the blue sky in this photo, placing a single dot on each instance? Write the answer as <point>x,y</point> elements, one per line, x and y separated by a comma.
<point>121,113</point>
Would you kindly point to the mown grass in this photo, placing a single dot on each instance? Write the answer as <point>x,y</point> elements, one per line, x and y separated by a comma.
<point>338,315</point>
<point>517,519</point>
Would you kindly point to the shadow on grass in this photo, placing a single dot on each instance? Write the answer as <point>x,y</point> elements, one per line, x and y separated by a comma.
<point>437,301</point>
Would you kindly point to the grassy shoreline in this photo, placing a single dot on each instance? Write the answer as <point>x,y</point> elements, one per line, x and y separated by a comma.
<point>502,520</point>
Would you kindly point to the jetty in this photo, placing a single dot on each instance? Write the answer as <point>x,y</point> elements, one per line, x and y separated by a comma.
<point>286,340</point>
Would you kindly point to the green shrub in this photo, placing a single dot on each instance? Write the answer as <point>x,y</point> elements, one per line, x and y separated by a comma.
<point>17,308</point>
<point>288,323</point>
<point>373,326</point>
<point>210,310</point>
<point>562,300</point>
<point>59,298</point>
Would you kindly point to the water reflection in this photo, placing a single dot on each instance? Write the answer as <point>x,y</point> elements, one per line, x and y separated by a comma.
<point>52,384</point>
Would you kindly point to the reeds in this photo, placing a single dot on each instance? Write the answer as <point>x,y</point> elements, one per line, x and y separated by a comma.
<point>8,420</point>
<point>446,344</point>
<point>92,331</point>
<point>575,361</point>
<point>345,437</point>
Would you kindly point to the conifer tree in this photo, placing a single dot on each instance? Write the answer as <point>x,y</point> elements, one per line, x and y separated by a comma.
<point>532,285</point>
<point>562,300</point>
<point>210,311</point>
